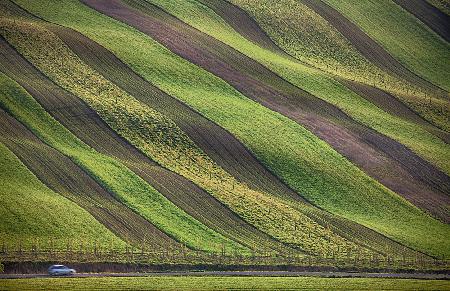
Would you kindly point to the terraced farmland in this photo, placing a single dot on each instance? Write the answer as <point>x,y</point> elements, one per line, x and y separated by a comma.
<point>214,130</point>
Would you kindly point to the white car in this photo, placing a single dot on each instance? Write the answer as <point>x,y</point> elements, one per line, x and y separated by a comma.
<point>60,270</point>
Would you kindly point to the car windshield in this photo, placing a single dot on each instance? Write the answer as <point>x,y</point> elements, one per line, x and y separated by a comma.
<point>58,267</point>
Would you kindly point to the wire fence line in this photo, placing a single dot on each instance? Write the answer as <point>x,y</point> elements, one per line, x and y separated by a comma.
<point>145,256</point>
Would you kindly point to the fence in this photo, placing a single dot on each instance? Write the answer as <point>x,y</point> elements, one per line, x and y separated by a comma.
<point>100,253</point>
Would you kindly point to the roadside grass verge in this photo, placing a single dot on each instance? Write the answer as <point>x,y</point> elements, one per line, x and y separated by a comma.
<point>297,156</point>
<point>130,189</point>
<point>32,212</point>
<point>222,283</point>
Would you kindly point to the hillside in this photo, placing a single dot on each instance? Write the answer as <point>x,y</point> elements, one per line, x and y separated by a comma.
<point>258,132</point>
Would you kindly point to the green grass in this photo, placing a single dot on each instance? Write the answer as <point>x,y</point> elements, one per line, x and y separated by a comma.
<point>31,212</point>
<point>222,283</point>
<point>305,162</point>
<point>130,188</point>
<point>404,36</point>
<point>410,134</point>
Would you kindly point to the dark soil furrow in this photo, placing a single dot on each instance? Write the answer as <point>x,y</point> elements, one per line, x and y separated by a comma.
<point>80,119</point>
<point>240,21</point>
<point>428,14</point>
<point>392,105</point>
<point>369,48</point>
<point>376,154</point>
<point>63,176</point>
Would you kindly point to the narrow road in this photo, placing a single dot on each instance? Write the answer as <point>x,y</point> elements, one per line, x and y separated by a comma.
<point>243,273</point>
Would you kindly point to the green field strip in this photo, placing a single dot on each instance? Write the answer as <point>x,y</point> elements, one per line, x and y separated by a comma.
<point>130,189</point>
<point>403,36</point>
<point>394,107</point>
<point>221,146</point>
<point>339,95</point>
<point>294,166</point>
<point>240,21</point>
<point>369,48</point>
<point>236,18</point>
<point>223,283</point>
<point>31,212</point>
<point>431,16</point>
<point>416,191</point>
<point>285,24</point>
<point>214,214</point>
<point>266,213</point>
<point>86,125</point>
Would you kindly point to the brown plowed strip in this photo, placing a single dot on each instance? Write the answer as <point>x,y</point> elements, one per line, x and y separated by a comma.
<point>392,105</point>
<point>379,156</point>
<point>80,119</point>
<point>240,21</point>
<point>61,175</point>
<point>428,14</point>
<point>369,48</point>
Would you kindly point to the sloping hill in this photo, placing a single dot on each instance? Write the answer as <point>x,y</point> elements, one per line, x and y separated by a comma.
<point>212,126</point>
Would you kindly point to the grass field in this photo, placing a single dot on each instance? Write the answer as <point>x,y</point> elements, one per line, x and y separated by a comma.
<point>251,207</point>
<point>222,283</point>
<point>223,133</point>
<point>304,158</point>
<point>408,133</point>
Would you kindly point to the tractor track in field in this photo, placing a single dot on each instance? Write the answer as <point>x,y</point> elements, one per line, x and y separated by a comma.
<point>371,151</point>
<point>368,47</point>
<point>84,122</point>
<point>63,176</point>
<point>434,18</point>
